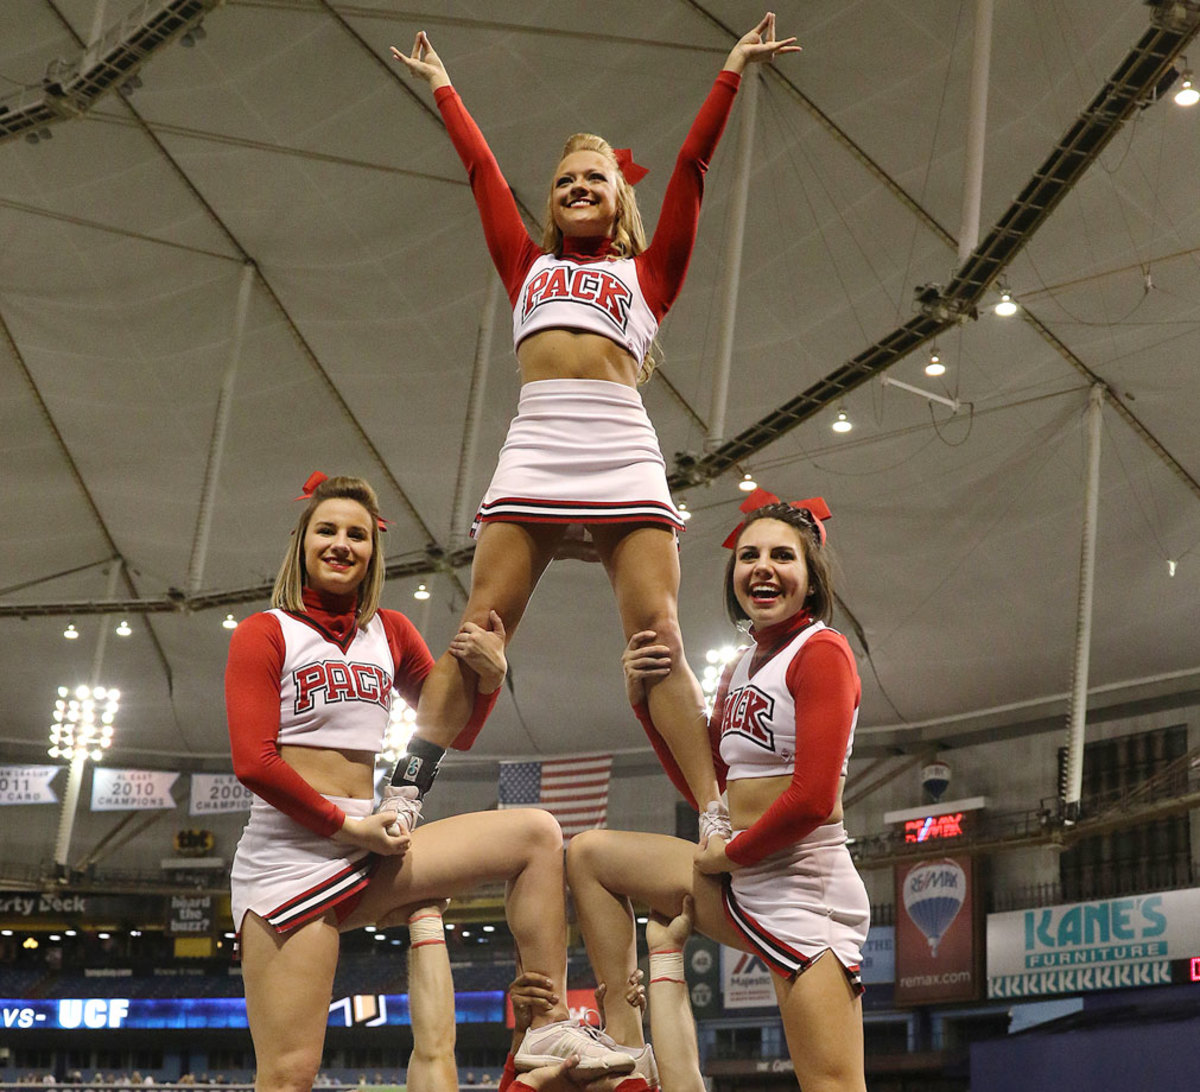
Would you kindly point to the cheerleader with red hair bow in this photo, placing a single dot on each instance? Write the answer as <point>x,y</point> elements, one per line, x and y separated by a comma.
<point>784,886</point>
<point>587,302</point>
<point>308,688</point>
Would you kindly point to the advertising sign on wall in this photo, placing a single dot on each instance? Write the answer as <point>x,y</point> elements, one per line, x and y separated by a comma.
<point>745,980</point>
<point>1101,945</point>
<point>105,1013</point>
<point>936,954</point>
<point>879,955</point>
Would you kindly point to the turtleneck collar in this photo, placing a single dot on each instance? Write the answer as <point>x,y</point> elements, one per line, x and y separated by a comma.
<point>770,640</point>
<point>335,613</point>
<point>587,246</point>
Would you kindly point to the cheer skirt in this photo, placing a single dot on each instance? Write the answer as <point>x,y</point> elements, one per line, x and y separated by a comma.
<point>801,902</point>
<point>579,451</point>
<point>288,875</point>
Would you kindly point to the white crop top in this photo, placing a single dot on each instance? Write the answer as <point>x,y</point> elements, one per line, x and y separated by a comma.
<point>598,296</point>
<point>758,722</point>
<point>331,698</point>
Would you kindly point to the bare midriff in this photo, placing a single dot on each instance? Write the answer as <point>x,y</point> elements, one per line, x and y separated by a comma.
<point>333,772</point>
<point>575,354</point>
<point>750,797</point>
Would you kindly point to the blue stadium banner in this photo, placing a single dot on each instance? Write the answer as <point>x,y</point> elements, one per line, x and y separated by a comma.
<point>105,1013</point>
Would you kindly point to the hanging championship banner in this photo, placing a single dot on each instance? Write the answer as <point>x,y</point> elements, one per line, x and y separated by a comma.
<point>27,784</point>
<point>131,790</point>
<point>215,792</point>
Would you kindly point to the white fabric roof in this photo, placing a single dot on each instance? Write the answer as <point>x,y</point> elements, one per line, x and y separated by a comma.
<point>286,138</point>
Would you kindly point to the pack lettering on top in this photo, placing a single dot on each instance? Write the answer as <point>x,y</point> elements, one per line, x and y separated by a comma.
<point>590,286</point>
<point>333,681</point>
<point>748,714</point>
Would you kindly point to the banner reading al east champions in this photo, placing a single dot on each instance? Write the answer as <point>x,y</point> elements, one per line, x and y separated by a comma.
<point>937,957</point>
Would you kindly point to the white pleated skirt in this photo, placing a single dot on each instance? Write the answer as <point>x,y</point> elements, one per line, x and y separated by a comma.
<point>579,451</point>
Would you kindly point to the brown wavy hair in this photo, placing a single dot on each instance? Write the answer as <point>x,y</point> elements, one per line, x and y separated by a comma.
<point>819,601</point>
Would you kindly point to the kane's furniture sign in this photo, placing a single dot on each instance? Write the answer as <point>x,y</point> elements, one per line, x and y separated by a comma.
<point>1103,945</point>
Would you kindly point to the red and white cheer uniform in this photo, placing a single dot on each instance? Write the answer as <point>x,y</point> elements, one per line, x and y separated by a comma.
<point>311,680</point>
<point>584,451</point>
<point>788,706</point>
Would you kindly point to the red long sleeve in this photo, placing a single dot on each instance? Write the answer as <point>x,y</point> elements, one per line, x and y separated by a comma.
<point>252,695</point>
<point>410,655</point>
<point>663,265</point>
<point>508,241</point>
<point>252,688</point>
<point>509,1075</point>
<point>824,683</point>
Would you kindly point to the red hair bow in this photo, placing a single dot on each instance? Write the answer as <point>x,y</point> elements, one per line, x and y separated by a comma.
<point>313,482</point>
<point>310,485</point>
<point>633,172</point>
<point>816,508</point>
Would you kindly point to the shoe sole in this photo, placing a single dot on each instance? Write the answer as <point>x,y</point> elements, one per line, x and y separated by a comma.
<point>586,1067</point>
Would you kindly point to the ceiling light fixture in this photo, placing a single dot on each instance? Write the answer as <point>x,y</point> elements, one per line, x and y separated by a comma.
<point>123,629</point>
<point>422,592</point>
<point>842,421</point>
<point>1007,305</point>
<point>935,366</point>
<point>747,484</point>
<point>1187,95</point>
<point>230,622</point>
<point>70,633</point>
<point>684,512</point>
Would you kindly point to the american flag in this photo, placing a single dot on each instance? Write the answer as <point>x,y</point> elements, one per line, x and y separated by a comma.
<point>573,790</point>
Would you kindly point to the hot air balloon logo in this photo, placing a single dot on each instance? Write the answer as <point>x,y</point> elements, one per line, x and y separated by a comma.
<point>933,895</point>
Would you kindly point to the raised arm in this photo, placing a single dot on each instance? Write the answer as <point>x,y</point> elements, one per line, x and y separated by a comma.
<point>508,241</point>
<point>663,266</point>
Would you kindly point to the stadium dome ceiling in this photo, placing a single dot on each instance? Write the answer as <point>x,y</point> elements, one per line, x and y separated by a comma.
<point>264,260</point>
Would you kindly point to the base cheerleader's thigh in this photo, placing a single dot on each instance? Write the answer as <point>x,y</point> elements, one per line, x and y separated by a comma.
<point>288,875</point>
<point>579,451</point>
<point>799,903</point>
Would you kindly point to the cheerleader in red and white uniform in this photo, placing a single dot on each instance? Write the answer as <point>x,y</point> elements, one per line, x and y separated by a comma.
<point>784,887</point>
<point>308,689</point>
<point>587,300</point>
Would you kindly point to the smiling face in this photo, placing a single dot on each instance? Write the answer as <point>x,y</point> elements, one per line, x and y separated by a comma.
<point>338,544</point>
<point>583,199</point>
<point>770,576</point>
